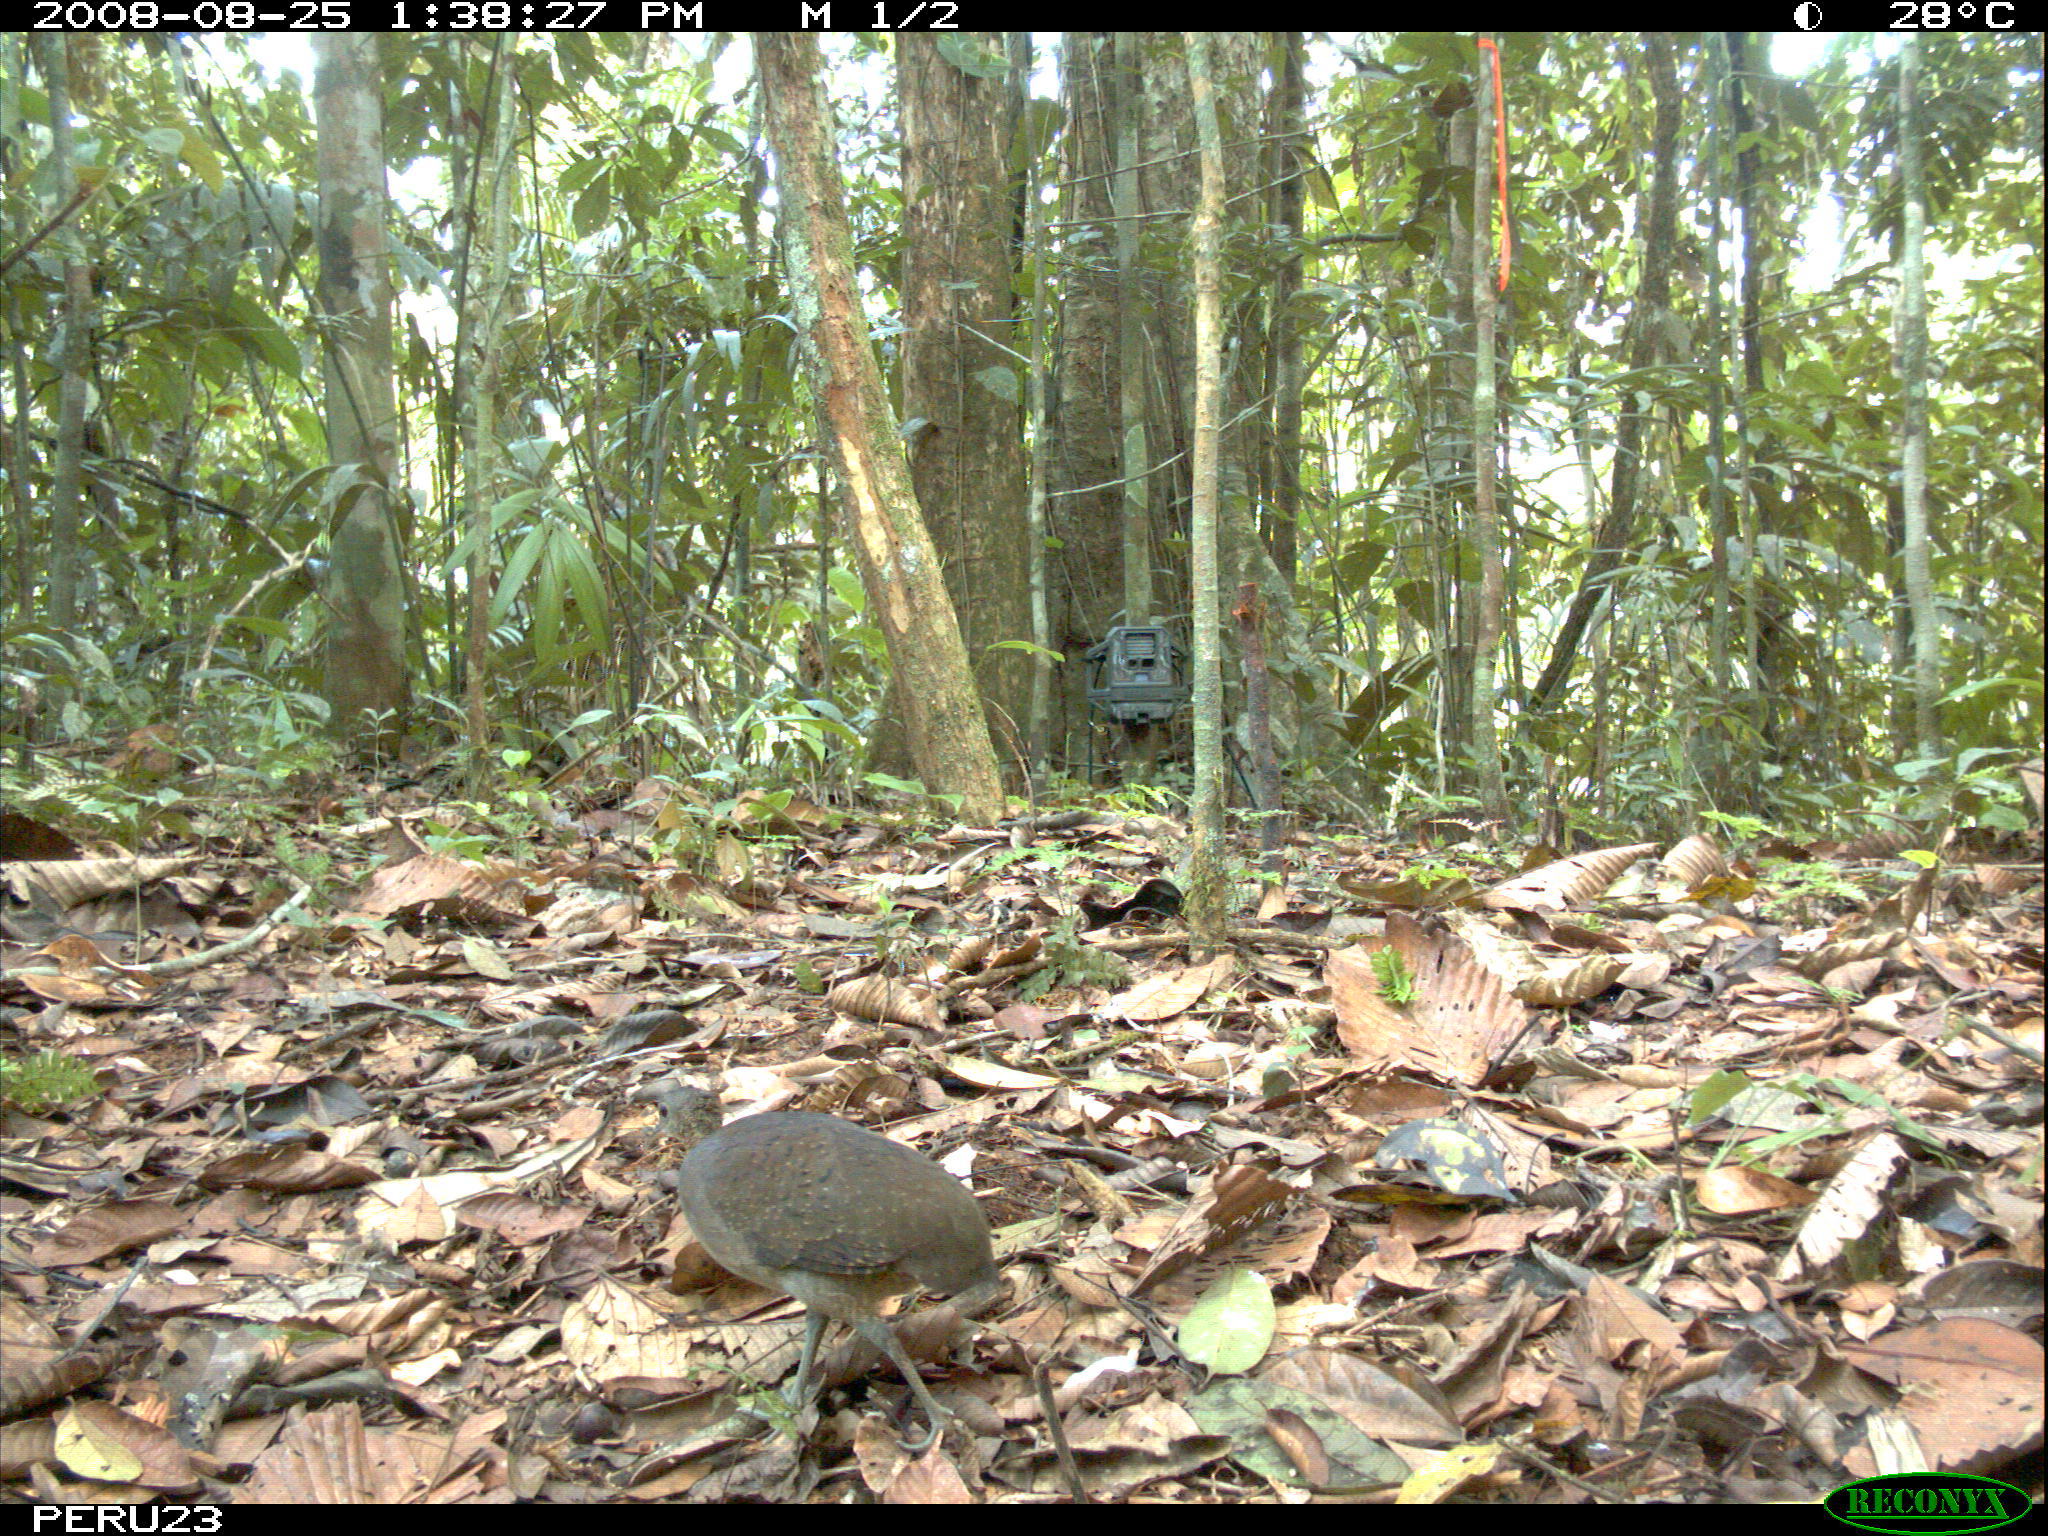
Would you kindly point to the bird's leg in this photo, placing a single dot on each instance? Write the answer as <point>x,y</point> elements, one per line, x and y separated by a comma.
<point>883,1337</point>
<point>814,1325</point>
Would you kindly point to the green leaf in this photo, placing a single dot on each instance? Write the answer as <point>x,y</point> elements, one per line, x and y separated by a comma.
<point>890,781</point>
<point>501,514</point>
<point>546,628</point>
<point>259,334</point>
<point>847,587</point>
<point>1240,1411</point>
<point>504,511</point>
<point>966,53</point>
<point>517,570</point>
<point>587,587</point>
<point>728,343</point>
<point>1231,1327</point>
<point>1026,646</point>
<point>1715,1092</point>
<point>593,207</point>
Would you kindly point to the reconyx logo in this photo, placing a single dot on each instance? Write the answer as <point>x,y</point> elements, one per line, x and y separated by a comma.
<point>1921,1502</point>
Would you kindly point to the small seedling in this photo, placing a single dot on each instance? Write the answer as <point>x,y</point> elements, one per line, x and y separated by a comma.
<point>45,1081</point>
<point>1396,981</point>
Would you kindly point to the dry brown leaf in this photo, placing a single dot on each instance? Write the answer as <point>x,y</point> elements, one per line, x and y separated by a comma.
<point>1566,883</point>
<point>1853,1199</point>
<point>1689,865</point>
<point>1971,1389</point>
<point>73,970</point>
<point>1174,992</point>
<point>1731,1190</point>
<point>886,1000</point>
<point>1460,1020</point>
<point>108,1229</point>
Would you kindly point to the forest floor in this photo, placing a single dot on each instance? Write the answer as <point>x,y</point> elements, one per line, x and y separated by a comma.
<point>1458,1173</point>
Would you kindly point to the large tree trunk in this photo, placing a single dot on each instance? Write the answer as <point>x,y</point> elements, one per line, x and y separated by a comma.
<point>960,375</point>
<point>949,740</point>
<point>366,681</point>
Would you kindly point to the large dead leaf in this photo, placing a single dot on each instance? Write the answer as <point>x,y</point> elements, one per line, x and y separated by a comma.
<point>1459,1023</point>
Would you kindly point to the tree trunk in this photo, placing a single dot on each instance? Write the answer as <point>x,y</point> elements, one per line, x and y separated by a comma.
<point>948,737</point>
<point>366,680</point>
